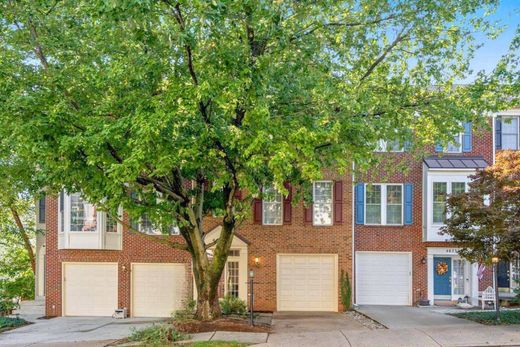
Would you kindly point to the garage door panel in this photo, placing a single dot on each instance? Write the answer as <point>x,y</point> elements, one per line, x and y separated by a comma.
<point>307,283</point>
<point>157,289</point>
<point>383,278</point>
<point>89,289</point>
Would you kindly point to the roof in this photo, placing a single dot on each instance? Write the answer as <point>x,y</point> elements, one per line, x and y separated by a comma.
<point>455,162</point>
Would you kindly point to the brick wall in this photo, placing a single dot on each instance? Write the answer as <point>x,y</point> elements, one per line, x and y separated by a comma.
<point>409,238</point>
<point>265,243</point>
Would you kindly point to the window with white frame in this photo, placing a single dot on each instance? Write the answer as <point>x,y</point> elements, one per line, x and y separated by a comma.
<point>384,204</point>
<point>77,215</point>
<point>272,209</point>
<point>510,133</point>
<point>322,203</point>
<point>440,192</point>
<point>232,281</point>
<point>389,146</point>
<point>147,226</point>
<point>82,214</point>
<point>454,146</point>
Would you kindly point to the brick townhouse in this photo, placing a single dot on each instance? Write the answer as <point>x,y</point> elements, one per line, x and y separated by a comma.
<point>380,228</point>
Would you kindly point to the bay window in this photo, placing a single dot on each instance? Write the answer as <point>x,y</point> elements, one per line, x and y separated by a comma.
<point>322,203</point>
<point>441,190</point>
<point>272,208</point>
<point>82,225</point>
<point>384,204</point>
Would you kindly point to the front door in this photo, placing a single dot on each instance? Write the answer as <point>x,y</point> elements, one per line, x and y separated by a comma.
<point>442,276</point>
<point>503,275</point>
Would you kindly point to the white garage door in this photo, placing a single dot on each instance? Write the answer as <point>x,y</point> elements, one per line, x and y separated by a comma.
<point>157,289</point>
<point>307,282</point>
<point>383,278</point>
<point>89,289</point>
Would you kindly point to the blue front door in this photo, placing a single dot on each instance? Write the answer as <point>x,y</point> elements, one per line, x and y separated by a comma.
<point>441,276</point>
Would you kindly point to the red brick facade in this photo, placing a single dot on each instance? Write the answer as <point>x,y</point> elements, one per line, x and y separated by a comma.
<point>409,238</point>
<point>266,242</point>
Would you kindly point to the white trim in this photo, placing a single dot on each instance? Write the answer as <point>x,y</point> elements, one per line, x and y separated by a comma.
<point>277,193</point>
<point>410,272</point>
<point>331,203</point>
<point>384,203</point>
<point>336,264</point>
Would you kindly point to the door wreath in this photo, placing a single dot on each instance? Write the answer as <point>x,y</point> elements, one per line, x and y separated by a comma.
<point>442,268</point>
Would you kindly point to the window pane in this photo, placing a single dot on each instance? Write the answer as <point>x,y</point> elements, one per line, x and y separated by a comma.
<point>111,224</point>
<point>232,278</point>
<point>322,207</point>
<point>322,192</point>
<point>41,210</point>
<point>373,204</point>
<point>458,188</point>
<point>439,202</point>
<point>394,146</point>
<point>146,226</point>
<point>455,145</point>
<point>272,207</point>
<point>510,133</point>
<point>83,216</point>
<point>373,214</point>
<point>458,277</point>
<point>394,202</point>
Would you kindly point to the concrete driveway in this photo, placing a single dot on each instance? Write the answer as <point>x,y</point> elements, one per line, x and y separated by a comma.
<point>401,317</point>
<point>77,331</point>
<point>407,326</point>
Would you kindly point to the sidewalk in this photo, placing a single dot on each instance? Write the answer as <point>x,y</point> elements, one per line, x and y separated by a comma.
<point>431,337</point>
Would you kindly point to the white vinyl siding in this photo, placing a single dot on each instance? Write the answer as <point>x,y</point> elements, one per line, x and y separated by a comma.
<point>272,208</point>
<point>322,203</point>
<point>510,133</point>
<point>384,204</point>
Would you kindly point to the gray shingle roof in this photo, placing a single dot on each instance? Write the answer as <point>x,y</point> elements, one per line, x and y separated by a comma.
<point>455,162</point>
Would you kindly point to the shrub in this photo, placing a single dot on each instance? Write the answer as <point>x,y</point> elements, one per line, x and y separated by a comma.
<point>233,305</point>
<point>187,312</point>
<point>157,334</point>
<point>7,305</point>
<point>346,290</point>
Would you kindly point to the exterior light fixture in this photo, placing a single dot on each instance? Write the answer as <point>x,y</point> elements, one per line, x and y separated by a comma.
<point>257,261</point>
<point>494,260</point>
<point>423,260</point>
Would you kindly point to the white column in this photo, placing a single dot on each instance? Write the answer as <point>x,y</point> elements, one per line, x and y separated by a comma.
<point>474,284</point>
<point>430,278</point>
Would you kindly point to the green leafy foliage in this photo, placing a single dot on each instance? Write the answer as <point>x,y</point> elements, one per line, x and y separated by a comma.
<point>232,305</point>
<point>7,323</point>
<point>483,221</point>
<point>489,317</point>
<point>16,276</point>
<point>127,101</point>
<point>517,292</point>
<point>187,312</point>
<point>346,290</point>
<point>157,335</point>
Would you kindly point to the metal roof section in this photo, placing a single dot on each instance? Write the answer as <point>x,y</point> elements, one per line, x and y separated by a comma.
<point>455,162</point>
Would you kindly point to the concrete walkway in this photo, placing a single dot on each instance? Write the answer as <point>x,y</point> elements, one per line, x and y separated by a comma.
<point>77,331</point>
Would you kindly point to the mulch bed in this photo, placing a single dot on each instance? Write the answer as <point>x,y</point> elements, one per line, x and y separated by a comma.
<point>221,324</point>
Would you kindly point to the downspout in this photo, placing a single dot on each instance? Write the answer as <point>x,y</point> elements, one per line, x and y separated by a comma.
<point>353,207</point>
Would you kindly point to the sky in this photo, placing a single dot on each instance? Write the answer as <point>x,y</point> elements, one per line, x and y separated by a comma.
<point>508,14</point>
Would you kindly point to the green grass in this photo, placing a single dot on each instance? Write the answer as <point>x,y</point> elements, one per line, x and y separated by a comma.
<point>7,323</point>
<point>217,344</point>
<point>488,317</point>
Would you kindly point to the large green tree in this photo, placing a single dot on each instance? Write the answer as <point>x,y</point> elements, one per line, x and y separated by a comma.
<point>194,101</point>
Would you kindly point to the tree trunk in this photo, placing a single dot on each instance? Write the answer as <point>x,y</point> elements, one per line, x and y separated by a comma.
<point>25,237</point>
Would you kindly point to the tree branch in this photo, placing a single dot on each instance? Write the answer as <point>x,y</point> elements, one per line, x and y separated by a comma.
<point>400,37</point>
<point>25,237</point>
